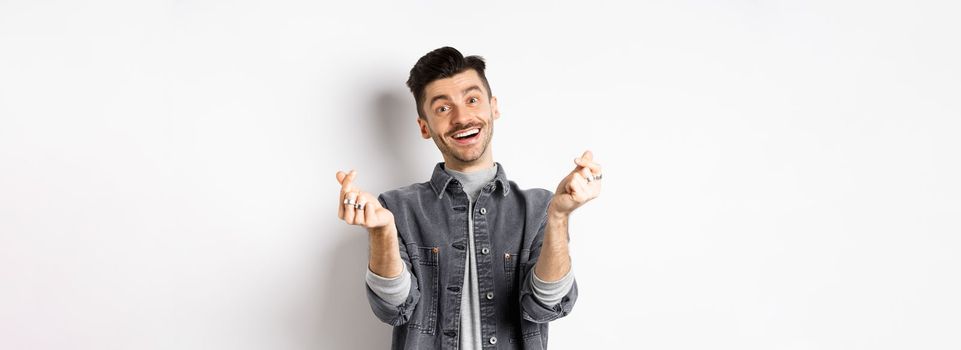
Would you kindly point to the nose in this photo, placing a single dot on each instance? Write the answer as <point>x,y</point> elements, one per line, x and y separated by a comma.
<point>459,115</point>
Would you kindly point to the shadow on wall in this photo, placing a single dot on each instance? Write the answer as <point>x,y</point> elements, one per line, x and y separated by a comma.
<point>400,155</point>
<point>345,320</point>
<point>348,321</point>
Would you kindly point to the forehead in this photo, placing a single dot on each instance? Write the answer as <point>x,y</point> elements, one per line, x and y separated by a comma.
<point>454,85</point>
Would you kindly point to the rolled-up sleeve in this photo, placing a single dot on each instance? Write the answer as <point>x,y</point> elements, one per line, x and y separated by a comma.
<point>393,290</point>
<point>551,293</point>
<point>557,304</point>
<point>390,312</point>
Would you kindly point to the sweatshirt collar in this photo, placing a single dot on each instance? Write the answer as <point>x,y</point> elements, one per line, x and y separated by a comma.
<point>440,179</point>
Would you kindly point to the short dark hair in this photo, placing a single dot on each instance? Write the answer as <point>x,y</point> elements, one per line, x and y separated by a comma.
<point>442,63</point>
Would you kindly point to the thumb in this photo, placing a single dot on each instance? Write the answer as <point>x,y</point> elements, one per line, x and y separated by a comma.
<point>585,159</point>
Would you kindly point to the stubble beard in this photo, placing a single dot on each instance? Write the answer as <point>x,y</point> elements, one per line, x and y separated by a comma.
<point>452,151</point>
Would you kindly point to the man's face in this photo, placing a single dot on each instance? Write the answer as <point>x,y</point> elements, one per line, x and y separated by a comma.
<point>459,117</point>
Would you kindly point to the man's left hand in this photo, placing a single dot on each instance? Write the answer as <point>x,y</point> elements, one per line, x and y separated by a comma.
<point>578,187</point>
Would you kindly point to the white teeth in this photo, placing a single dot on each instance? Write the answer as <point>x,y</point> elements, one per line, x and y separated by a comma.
<point>467,133</point>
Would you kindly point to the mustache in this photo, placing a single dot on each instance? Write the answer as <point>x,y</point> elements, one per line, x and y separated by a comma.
<point>467,127</point>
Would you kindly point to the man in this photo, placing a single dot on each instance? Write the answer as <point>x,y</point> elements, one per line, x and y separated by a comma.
<point>467,260</point>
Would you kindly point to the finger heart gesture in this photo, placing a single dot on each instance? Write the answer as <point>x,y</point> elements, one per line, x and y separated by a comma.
<point>360,208</point>
<point>580,186</point>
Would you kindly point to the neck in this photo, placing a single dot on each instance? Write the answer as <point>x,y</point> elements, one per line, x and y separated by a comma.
<point>475,166</point>
<point>468,167</point>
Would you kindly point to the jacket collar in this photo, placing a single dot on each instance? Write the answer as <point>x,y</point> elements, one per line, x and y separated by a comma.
<point>440,179</point>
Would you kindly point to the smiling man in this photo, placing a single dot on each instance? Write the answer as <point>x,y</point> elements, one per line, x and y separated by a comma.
<point>468,259</point>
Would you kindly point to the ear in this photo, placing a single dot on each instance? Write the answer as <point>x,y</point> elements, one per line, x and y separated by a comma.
<point>424,129</point>
<point>496,112</point>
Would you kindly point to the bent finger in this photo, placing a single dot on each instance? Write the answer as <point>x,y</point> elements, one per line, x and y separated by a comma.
<point>595,168</point>
<point>586,173</point>
<point>571,187</point>
<point>349,212</point>
<point>369,207</point>
<point>580,186</point>
<point>370,212</point>
<point>348,182</point>
<point>360,209</point>
<point>340,196</point>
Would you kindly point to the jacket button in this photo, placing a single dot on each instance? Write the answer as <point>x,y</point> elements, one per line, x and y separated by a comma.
<point>483,211</point>
<point>493,340</point>
<point>490,295</point>
<point>485,250</point>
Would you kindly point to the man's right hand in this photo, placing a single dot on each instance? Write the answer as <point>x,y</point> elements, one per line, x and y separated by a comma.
<point>360,208</point>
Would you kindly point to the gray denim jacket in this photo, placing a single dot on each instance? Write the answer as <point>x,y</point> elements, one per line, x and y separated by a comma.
<point>431,220</point>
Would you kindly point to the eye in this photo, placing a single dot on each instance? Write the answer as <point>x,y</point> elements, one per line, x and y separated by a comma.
<point>472,100</point>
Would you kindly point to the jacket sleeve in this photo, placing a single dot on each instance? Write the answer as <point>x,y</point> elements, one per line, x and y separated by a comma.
<point>532,308</point>
<point>395,315</point>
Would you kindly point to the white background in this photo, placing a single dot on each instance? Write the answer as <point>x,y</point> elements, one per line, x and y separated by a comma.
<point>779,175</point>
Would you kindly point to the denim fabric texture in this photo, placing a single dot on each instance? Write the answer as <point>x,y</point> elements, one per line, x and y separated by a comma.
<point>509,222</point>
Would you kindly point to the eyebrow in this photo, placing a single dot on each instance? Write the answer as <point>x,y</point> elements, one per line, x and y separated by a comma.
<point>445,97</point>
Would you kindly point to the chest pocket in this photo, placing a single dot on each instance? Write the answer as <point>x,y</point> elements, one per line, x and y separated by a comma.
<point>510,271</point>
<point>513,269</point>
<point>426,261</point>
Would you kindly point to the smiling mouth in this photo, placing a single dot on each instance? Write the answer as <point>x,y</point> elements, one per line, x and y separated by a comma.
<point>467,135</point>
